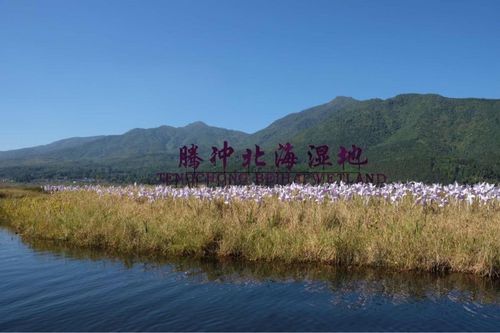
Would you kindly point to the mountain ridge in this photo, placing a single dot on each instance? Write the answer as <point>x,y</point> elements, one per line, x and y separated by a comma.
<point>425,137</point>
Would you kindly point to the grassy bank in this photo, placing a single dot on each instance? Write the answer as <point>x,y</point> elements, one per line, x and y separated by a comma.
<point>350,233</point>
<point>17,191</point>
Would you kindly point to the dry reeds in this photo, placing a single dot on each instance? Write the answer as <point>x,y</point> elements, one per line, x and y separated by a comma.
<point>406,236</point>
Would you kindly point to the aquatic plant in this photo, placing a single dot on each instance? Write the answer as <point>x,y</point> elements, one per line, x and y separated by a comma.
<point>422,194</point>
<point>410,226</point>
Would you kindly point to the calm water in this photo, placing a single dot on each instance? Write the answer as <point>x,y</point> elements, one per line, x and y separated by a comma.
<point>45,288</point>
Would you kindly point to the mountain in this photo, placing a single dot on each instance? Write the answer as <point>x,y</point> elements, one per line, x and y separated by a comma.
<point>289,126</point>
<point>422,137</point>
<point>39,150</point>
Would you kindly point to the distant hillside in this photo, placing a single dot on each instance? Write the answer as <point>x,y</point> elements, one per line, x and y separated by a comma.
<point>409,137</point>
<point>52,147</point>
<point>420,137</point>
<point>290,126</point>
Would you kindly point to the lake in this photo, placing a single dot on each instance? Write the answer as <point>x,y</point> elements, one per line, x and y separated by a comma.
<point>50,287</point>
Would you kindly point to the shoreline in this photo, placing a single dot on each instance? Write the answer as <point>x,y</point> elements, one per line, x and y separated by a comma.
<point>456,238</point>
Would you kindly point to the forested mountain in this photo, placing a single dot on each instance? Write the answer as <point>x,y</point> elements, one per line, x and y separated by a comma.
<point>408,137</point>
<point>26,153</point>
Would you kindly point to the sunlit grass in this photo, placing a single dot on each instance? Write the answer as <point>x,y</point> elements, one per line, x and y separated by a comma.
<point>458,237</point>
<point>14,191</point>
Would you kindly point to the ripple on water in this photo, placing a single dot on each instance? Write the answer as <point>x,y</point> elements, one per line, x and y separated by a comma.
<point>48,287</point>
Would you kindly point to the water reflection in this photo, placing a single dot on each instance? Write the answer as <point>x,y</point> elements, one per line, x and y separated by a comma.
<point>364,283</point>
<point>47,286</point>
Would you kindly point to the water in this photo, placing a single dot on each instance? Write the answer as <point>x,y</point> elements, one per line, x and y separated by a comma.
<point>44,287</point>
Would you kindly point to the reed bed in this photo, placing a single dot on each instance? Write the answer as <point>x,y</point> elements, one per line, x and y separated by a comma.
<point>452,228</point>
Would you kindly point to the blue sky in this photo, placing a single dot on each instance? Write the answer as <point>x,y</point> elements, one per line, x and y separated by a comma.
<point>82,68</point>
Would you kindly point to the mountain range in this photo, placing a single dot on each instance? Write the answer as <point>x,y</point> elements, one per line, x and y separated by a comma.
<point>421,137</point>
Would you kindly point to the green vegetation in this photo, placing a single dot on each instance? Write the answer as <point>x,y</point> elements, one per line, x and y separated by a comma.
<point>347,233</point>
<point>426,138</point>
<point>17,192</point>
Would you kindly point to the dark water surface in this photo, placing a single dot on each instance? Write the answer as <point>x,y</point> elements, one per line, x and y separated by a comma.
<point>44,287</point>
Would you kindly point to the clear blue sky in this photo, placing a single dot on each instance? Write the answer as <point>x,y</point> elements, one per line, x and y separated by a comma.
<point>82,68</point>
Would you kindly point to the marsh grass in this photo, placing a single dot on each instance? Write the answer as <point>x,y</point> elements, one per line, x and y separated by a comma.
<point>14,191</point>
<point>347,233</point>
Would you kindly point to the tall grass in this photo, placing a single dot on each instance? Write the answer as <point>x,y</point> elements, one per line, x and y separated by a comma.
<point>406,236</point>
